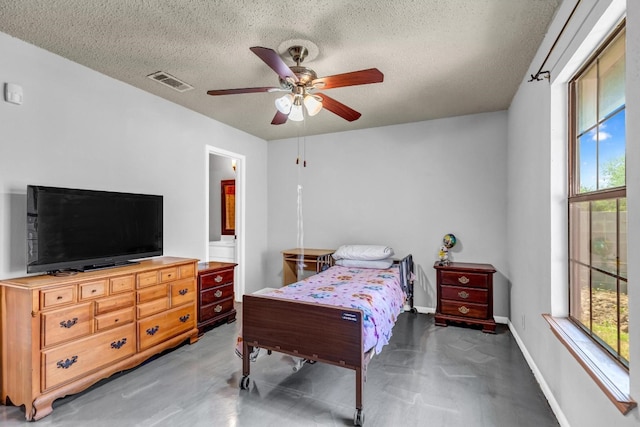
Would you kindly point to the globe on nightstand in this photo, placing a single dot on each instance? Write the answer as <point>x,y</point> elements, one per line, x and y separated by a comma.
<point>449,240</point>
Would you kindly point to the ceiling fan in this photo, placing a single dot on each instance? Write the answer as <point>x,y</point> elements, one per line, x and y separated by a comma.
<point>301,85</point>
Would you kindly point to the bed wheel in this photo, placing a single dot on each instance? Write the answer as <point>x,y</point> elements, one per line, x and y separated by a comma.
<point>358,418</point>
<point>269,352</point>
<point>414,310</point>
<point>245,382</point>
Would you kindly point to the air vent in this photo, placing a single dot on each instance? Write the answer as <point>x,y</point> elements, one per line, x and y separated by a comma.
<point>168,80</point>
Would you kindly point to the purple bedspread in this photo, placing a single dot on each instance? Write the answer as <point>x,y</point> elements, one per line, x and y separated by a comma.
<point>378,293</point>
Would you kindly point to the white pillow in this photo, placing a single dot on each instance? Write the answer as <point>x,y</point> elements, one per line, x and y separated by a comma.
<point>363,252</point>
<point>360,263</point>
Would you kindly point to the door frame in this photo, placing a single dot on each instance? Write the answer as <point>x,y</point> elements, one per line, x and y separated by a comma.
<point>239,282</point>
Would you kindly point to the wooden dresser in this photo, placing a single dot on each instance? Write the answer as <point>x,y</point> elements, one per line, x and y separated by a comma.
<point>465,294</point>
<point>60,335</point>
<point>215,294</point>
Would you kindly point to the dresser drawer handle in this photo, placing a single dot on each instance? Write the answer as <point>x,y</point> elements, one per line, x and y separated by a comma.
<point>218,308</point>
<point>218,278</point>
<point>463,279</point>
<point>463,309</point>
<point>65,364</point>
<point>185,318</point>
<point>118,344</point>
<point>68,323</point>
<point>152,331</point>
<point>217,293</point>
<point>183,291</point>
<point>463,294</point>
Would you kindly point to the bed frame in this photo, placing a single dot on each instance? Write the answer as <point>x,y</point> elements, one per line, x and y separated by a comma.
<point>315,332</point>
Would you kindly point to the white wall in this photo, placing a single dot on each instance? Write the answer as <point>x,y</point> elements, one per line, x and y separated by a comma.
<point>79,128</point>
<point>537,211</point>
<point>404,186</point>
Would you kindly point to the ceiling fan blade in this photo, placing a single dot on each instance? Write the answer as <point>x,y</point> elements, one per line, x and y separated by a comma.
<point>279,118</point>
<point>339,108</point>
<point>273,60</point>
<point>362,77</point>
<point>242,90</point>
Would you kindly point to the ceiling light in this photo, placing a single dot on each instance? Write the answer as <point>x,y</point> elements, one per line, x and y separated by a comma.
<point>296,113</point>
<point>312,104</point>
<point>283,104</point>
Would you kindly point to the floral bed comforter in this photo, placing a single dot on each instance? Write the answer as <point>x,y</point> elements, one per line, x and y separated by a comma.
<point>378,293</point>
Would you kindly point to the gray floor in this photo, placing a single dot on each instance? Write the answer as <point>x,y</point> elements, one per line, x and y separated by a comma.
<point>426,376</point>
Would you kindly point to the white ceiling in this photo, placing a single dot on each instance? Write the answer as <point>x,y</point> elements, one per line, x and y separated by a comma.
<point>440,58</point>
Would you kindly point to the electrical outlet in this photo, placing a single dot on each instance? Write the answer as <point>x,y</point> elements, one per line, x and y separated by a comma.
<point>13,93</point>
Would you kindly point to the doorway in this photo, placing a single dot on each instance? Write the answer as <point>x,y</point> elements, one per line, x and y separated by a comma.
<point>221,244</point>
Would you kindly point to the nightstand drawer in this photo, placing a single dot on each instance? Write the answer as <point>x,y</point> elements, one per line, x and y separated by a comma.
<point>216,279</point>
<point>216,294</point>
<point>459,278</point>
<point>462,294</point>
<point>217,309</point>
<point>464,309</point>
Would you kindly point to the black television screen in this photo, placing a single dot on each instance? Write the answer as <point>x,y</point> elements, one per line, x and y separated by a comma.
<point>73,229</point>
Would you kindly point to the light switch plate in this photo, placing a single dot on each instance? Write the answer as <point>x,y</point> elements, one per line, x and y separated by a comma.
<point>13,93</point>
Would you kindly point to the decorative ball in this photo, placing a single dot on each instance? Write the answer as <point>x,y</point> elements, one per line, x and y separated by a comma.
<point>449,240</point>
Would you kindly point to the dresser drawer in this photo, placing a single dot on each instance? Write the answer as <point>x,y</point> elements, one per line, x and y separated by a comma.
<point>464,309</point>
<point>114,319</point>
<point>216,309</point>
<point>458,293</point>
<point>182,292</point>
<point>464,279</point>
<point>57,296</point>
<point>213,295</point>
<point>168,274</point>
<point>65,363</point>
<point>155,292</point>
<point>95,289</point>
<point>66,324</point>
<point>163,326</point>
<point>148,278</point>
<point>152,307</point>
<point>186,271</point>
<point>105,305</point>
<point>216,279</point>
<point>122,284</point>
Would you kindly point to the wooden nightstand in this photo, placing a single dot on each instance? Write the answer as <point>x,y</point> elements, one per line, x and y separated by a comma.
<point>465,294</point>
<point>215,294</point>
<point>312,259</point>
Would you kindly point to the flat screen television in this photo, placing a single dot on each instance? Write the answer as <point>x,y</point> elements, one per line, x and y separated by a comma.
<point>78,230</point>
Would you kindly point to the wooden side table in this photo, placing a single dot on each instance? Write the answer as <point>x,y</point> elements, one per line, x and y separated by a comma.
<point>465,294</point>
<point>215,294</point>
<point>311,259</point>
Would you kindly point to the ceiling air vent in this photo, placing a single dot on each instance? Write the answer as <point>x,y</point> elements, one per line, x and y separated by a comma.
<point>168,80</point>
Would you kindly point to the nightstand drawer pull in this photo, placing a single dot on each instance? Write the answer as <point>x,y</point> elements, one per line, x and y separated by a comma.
<point>463,309</point>
<point>463,279</point>
<point>463,294</point>
<point>218,308</point>
<point>218,293</point>
<point>183,291</point>
<point>218,278</point>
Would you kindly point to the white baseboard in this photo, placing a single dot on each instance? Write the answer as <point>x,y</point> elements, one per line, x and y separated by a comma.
<point>562,420</point>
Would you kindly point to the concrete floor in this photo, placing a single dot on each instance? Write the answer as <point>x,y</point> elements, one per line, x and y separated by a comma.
<point>427,376</point>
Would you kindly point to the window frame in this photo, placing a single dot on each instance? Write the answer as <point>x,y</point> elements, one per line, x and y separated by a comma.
<point>574,195</point>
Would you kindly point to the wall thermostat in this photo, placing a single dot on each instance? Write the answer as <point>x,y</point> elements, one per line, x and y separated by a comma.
<point>13,93</point>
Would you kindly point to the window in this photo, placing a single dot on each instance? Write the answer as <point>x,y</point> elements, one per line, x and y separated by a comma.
<point>597,199</point>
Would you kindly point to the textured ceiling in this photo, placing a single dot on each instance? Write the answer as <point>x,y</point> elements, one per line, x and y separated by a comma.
<point>440,58</point>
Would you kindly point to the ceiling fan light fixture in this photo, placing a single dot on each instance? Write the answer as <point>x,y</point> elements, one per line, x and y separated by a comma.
<point>284,103</point>
<point>296,114</point>
<point>312,104</point>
